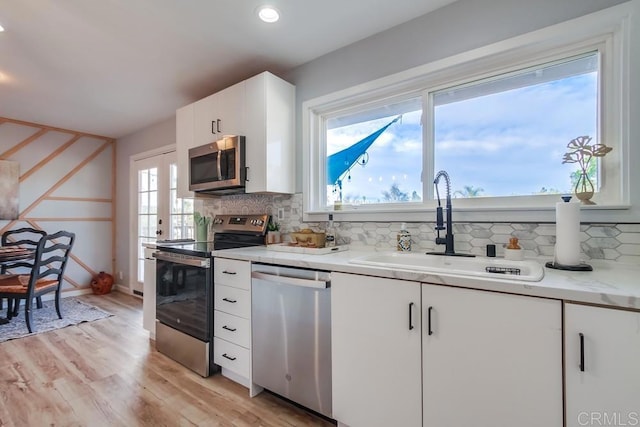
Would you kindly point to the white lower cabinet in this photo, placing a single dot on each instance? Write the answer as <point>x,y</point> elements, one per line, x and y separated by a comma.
<point>149,293</point>
<point>232,319</point>
<point>375,351</point>
<point>490,359</point>
<point>602,366</point>
<point>406,354</point>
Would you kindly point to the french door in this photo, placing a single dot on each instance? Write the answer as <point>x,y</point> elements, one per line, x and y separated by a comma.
<point>159,212</point>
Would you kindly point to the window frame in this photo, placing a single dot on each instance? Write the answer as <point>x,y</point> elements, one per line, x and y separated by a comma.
<point>606,31</point>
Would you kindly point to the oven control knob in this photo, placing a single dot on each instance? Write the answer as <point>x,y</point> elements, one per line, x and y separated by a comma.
<point>259,222</point>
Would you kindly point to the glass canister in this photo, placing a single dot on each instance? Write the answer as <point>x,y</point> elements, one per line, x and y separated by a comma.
<point>404,239</point>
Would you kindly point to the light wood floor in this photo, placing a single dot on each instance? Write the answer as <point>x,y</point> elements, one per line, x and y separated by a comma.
<point>108,373</point>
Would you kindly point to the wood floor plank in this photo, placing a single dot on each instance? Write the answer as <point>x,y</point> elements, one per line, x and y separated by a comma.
<point>108,373</point>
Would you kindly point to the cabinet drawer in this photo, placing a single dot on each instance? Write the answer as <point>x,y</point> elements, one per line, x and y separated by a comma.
<point>231,272</point>
<point>231,356</point>
<point>232,301</point>
<point>234,329</point>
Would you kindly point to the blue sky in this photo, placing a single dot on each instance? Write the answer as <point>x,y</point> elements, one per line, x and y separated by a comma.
<point>507,143</point>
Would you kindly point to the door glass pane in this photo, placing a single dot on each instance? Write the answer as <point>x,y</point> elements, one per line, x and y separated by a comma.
<point>147,213</point>
<point>181,215</point>
<point>153,179</point>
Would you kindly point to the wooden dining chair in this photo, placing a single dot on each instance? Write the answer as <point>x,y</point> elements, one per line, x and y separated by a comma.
<point>47,272</point>
<point>25,237</point>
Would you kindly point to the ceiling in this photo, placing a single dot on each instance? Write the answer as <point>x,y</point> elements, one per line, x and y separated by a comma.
<point>111,67</point>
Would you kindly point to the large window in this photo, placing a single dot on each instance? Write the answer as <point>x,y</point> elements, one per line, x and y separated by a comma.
<point>500,128</point>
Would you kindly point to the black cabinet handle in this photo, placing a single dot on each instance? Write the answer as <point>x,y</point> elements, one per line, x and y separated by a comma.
<point>581,352</point>
<point>228,357</point>
<point>410,316</point>
<point>228,328</point>
<point>218,125</point>
<point>246,173</point>
<point>232,301</point>
<point>429,330</point>
<point>213,127</point>
<point>229,272</point>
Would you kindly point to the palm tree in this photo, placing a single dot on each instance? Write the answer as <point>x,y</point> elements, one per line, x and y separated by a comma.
<point>395,195</point>
<point>469,191</point>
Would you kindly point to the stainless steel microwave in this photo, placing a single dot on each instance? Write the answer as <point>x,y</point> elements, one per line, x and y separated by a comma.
<point>218,167</point>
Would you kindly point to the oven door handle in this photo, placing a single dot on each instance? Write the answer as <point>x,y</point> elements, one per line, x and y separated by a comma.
<point>193,262</point>
<point>288,280</point>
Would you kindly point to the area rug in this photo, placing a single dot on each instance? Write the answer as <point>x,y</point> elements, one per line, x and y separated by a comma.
<point>46,319</point>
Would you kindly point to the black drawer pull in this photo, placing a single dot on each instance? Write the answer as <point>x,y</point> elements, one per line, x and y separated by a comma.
<point>411,316</point>
<point>228,357</point>
<point>429,330</point>
<point>213,127</point>
<point>232,301</point>
<point>228,328</point>
<point>229,272</point>
<point>581,352</point>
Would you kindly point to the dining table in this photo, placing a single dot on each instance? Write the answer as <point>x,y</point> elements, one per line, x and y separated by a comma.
<point>9,255</point>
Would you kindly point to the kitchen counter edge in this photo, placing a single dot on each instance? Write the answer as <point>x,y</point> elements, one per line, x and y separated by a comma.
<point>611,284</point>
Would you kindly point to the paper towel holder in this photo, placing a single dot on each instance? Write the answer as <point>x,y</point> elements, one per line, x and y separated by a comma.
<point>579,267</point>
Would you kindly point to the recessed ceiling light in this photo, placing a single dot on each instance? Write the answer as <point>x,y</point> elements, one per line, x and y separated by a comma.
<point>268,14</point>
<point>1,29</point>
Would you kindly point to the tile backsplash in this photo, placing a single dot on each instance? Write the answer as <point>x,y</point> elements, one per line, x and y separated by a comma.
<point>616,242</point>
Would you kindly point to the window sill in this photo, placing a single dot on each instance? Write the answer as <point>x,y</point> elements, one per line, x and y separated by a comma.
<point>542,214</point>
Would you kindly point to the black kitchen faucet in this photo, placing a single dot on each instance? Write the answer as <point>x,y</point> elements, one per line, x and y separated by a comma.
<point>448,239</point>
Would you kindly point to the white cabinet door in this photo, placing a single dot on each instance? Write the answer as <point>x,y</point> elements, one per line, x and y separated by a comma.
<point>490,359</point>
<point>206,120</point>
<point>269,131</point>
<point>375,351</point>
<point>602,366</point>
<point>184,141</point>
<point>231,110</point>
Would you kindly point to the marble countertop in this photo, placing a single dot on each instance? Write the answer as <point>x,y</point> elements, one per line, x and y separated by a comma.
<point>610,283</point>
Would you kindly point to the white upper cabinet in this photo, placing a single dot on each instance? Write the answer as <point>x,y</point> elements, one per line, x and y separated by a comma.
<point>260,108</point>
<point>230,117</point>
<point>270,128</point>
<point>219,114</point>
<point>602,353</point>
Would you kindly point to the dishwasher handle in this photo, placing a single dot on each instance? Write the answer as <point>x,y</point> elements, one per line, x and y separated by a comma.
<point>288,280</point>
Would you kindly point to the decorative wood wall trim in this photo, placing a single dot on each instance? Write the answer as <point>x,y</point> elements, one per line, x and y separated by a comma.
<point>47,189</point>
<point>79,199</point>
<point>23,144</point>
<point>52,128</point>
<point>64,179</point>
<point>50,157</point>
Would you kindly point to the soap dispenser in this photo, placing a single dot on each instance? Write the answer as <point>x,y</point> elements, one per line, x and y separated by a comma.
<point>330,233</point>
<point>404,239</point>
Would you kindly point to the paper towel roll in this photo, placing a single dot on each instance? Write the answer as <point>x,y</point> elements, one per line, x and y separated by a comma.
<point>567,233</point>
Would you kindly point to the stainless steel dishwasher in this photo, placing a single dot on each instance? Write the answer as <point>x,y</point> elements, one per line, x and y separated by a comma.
<point>291,334</point>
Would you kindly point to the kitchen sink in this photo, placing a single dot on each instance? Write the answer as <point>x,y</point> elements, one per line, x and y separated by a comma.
<point>498,268</point>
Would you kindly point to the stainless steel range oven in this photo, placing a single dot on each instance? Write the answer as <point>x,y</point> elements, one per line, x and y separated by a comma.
<point>184,290</point>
